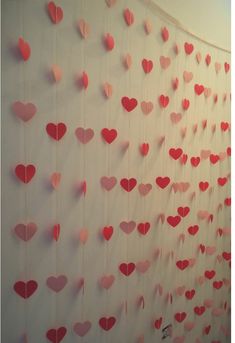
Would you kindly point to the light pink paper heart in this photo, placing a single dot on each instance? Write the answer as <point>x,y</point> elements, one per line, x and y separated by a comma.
<point>84,135</point>
<point>142,266</point>
<point>128,227</point>
<point>55,180</point>
<point>146,107</point>
<point>188,76</point>
<point>219,258</point>
<point>203,214</point>
<point>208,303</point>
<point>179,339</point>
<point>189,326</point>
<point>56,72</point>
<point>198,57</point>
<point>175,117</point>
<point>210,250</point>
<point>148,26</point>
<point>176,49</point>
<point>183,186</point>
<point>108,182</point>
<point>57,283</point>
<point>110,3</point>
<point>165,62</point>
<point>26,231</point>
<point>205,154</point>
<point>192,262</point>
<point>180,290</point>
<point>84,28</point>
<point>108,90</point>
<point>125,145</point>
<point>144,189</point>
<point>81,329</point>
<point>25,111</point>
<point>217,312</point>
<point>128,61</point>
<point>107,281</point>
<point>217,67</point>
<point>83,235</point>
<point>207,92</point>
<point>222,155</point>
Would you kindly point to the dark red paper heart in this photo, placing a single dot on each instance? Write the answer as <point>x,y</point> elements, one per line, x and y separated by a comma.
<point>158,323</point>
<point>195,161</point>
<point>25,173</point>
<point>56,335</point>
<point>25,289</point>
<point>185,104</point>
<point>55,12</point>
<point>24,47</point>
<point>173,220</point>
<point>175,153</point>
<point>143,228</point>
<point>164,100</point>
<point>180,316</point>
<point>147,65</point>
<point>188,48</point>
<point>182,264</point>
<point>56,131</point>
<point>129,103</point>
<point>107,232</point>
<point>128,184</point>
<point>203,185</point>
<point>199,310</point>
<point>209,274</point>
<point>190,294</point>
<point>127,268</point>
<point>192,230</point>
<point>163,182</point>
<point>199,89</point>
<point>109,135</point>
<point>106,323</point>
<point>183,211</point>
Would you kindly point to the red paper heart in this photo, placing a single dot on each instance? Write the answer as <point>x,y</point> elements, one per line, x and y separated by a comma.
<point>190,294</point>
<point>56,131</point>
<point>109,135</point>
<point>57,283</point>
<point>25,289</point>
<point>208,59</point>
<point>144,149</point>
<point>182,264</point>
<point>84,135</point>
<point>192,230</point>
<point>25,173</point>
<point>174,220</point>
<point>199,89</point>
<point>128,184</point>
<point>143,228</point>
<point>106,323</point>
<point>195,161</point>
<point>199,310</point>
<point>81,329</point>
<point>227,201</point>
<point>56,335</point>
<point>203,185</point>
<point>209,274</point>
<point>56,232</point>
<point>109,42</point>
<point>207,329</point>
<point>183,159</point>
<point>175,153</point>
<point>107,232</point>
<point>147,66</point>
<point>158,323</point>
<point>163,101</point>
<point>226,256</point>
<point>180,316</point>
<point>163,182</point>
<point>222,181</point>
<point>55,12</point>
<point>185,104</point>
<point>84,80</point>
<point>226,67</point>
<point>175,83</point>
<point>165,34</point>
<point>128,16</point>
<point>224,126</point>
<point>26,231</point>
<point>24,48</point>
<point>214,158</point>
<point>127,268</point>
<point>183,211</point>
<point>129,103</point>
<point>188,48</point>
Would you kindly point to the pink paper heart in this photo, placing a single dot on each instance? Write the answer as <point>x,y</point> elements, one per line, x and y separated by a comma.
<point>83,235</point>
<point>25,111</point>
<point>125,145</point>
<point>56,72</point>
<point>192,262</point>
<point>219,258</point>
<point>203,214</point>
<point>128,61</point>
<point>175,117</point>
<point>57,283</point>
<point>217,67</point>
<point>148,26</point>
<point>198,57</point>
<point>84,28</point>
<point>108,90</point>
<point>142,266</point>
<point>84,135</point>
<point>81,329</point>
<point>179,339</point>
<point>107,281</point>
<point>165,62</point>
<point>189,326</point>
<point>208,302</point>
<point>210,250</point>
<point>128,227</point>
<point>188,76</point>
<point>108,182</point>
<point>144,189</point>
<point>146,107</point>
<point>222,155</point>
<point>183,186</point>
<point>55,180</point>
<point>207,92</point>
<point>205,154</point>
<point>25,231</point>
<point>201,280</point>
<point>180,290</point>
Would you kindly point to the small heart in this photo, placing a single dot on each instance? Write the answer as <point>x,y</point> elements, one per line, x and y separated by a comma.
<point>147,65</point>
<point>129,104</point>
<point>128,16</point>
<point>106,323</point>
<point>128,227</point>
<point>108,182</point>
<point>185,104</point>
<point>25,289</point>
<point>163,101</point>
<point>24,48</point>
<point>83,235</point>
<point>107,232</point>
<point>127,61</point>
<point>144,189</point>
<point>108,90</point>
<point>175,117</point>
<point>146,107</point>
<point>109,135</point>
<point>144,149</point>
<point>165,34</point>
<point>55,180</point>
<point>84,28</point>
<point>165,62</point>
<point>128,184</point>
<point>127,268</point>
<point>188,48</point>
<point>188,76</point>
<point>56,335</point>
<point>107,281</point>
<point>143,228</point>
<point>109,42</point>
<point>81,329</point>
<point>56,131</point>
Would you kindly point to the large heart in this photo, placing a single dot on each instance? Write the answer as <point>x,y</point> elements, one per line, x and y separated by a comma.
<point>173,220</point>
<point>143,228</point>
<point>56,131</point>
<point>106,323</point>
<point>84,135</point>
<point>129,103</point>
<point>57,283</point>
<point>81,329</point>
<point>55,12</point>
<point>56,335</point>
<point>25,173</point>
<point>128,184</point>
<point>109,135</point>
<point>163,182</point>
<point>25,111</point>
<point>25,289</point>
<point>127,268</point>
<point>25,231</point>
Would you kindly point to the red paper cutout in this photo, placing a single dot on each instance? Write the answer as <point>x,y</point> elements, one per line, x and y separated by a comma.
<point>109,135</point>
<point>199,89</point>
<point>190,294</point>
<point>24,48</point>
<point>55,12</point>
<point>209,274</point>
<point>106,323</point>
<point>128,227</point>
<point>208,59</point>
<point>226,67</point>
<point>56,335</point>
<point>127,268</point>
<point>163,182</point>
<point>144,189</point>
<point>173,220</point>
<point>25,289</point>
<point>56,232</point>
<point>56,131</point>
<point>146,107</point>
<point>158,323</point>
<point>26,231</point>
<point>199,310</point>
<point>188,48</point>
<point>144,149</point>
<point>107,232</point>
<point>165,34</point>
<point>175,153</point>
<point>25,111</point>
<point>25,173</point>
<point>183,211</point>
<point>180,316</point>
<point>195,161</point>
<point>163,101</point>
<point>147,26</point>
<point>84,80</point>
<point>143,228</point>
<point>175,83</point>
<point>214,158</point>
<point>182,264</point>
<point>185,104</point>
<point>147,66</point>
<point>128,184</point>
<point>192,230</point>
<point>128,16</point>
<point>108,182</point>
<point>109,42</point>
<point>129,103</point>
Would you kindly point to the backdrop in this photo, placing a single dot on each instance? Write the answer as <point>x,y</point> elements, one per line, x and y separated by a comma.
<point>115,176</point>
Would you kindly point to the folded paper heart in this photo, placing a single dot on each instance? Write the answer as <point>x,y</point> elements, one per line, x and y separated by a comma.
<point>199,310</point>
<point>180,316</point>
<point>25,111</point>
<point>127,268</point>
<point>217,284</point>
<point>208,59</point>
<point>25,289</point>
<point>190,294</point>
<point>83,235</point>
<point>185,104</point>
<point>56,232</point>
<point>188,48</point>
<point>209,274</point>
<point>107,232</point>
<point>84,80</point>
<point>82,328</point>
<point>108,90</point>
<point>163,182</point>
<point>147,65</point>
<point>108,182</point>
<point>127,227</point>
<point>195,161</point>
<point>147,26</point>
<point>84,28</point>
<point>142,266</point>
<point>226,67</point>
<point>128,16</point>
<point>144,189</point>
<point>192,230</point>
<point>128,184</point>
<point>25,173</point>
<point>146,107</point>
<point>84,135</point>
<point>188,76</point>
<point>175,153</point>
<point>184,157</point>
<point>107,281</point>
<point>165,34</point>
<point>183,211</point>
<point>129,104</point>
<point>165,62</point>
<point>158,323</point>
<point>143,228</point>
<point>109,135</point>
<point>203,185</point>
<point>56,283</point>
<point>24,48</point>
<point>127,60</point>
<point>56,131</point>
<point>25,231</point>
<point>56,335</point>
<point>106,323</point>
<point>182,264</point>
<point>144,149</point>
<point>199,89</point>
<point>55,12</point>
<point>173,220</point>
<point>163,101</point>
<point>175,83</point>
<point>109,42</point>
<point>55,180</point>
<point>56,72</point>
<point>175,117</point>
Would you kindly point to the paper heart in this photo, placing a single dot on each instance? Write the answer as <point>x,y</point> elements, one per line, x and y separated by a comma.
<point>56,72</point>
<point>108,90</point>
<point>24,48</point>
<point>185,104</point>
<point>180,316</point>
<point>127,268</point>
<point>204,124</point>
<point>56,335</point>
<point>175,83</point>
<point>144,189</point>
<point>217,67</point>
<point>146,107</point>
<point>207,92</point>
<point>84,135</point>
<point>55,180</point>
<point>106,323</point>
<point>142,266</point>
<point>127,227</point>
<point>57,283</point>
<point>215,97</point>
<point>26,231</point>
<point>180,290</point>
<point>203,185</point>
<point>173,220</point>
<point>25,173</point>
<point>128,16</point>
<point>158,323</point>
<point>189,326</point>
<point>56,232</point>
<point>25,289</point>
<point>208,303</point>
<point>182,264</point>
<point>143,228</point>
<point>83,235</point>
<point>129,103</point>
<point>127,61</point>
<point>55,12</point>
<point>199,310</point>
<point>214,158</point>
<point>109,135</point>
<point>81,329</point>
<point>195,161</point>
<point>84,80</point>
<point>200,280</point>
<point>147,65</point>
<point>217,284</point>
<point>148,26</point>
<point>188,48</point>
<point>199,89</point>
<point>165,62</point>
<point>198,57</point>
<point>56,131</point>
<point>222,155</point>
<point>217,311</point>
<point>107,232</point>
<point>107,281</point>
<point>175,117</point>
<point>184,157</point>
<point>176,49</point>
<point>183,131</point>
<point>207,329</point>
<point>108,182</point>
<point>224,126</point>
<point>226,67</point>
<point>210,250</point>
<point>190,294</point>
<point>175,153</point>
<point>179,339</point>
<point>208,59</point>
<point>163,101</point>
<point>205,154</point>
<point>144,149</point>
<point>25,111</point>
<point>109,42</point>
<point>183,186</point>
<point>183,211</point>
<point>165,34</point>
<point>219,258</point>
<point>188,76</point>
<point>222,181</point>
<point>161,217</point>
<point>110,3</point>
<point>209,274</point>
<point>84,28</point>
<point>128,184</point>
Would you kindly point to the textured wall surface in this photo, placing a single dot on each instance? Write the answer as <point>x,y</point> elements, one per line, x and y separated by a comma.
<point>157,287</point>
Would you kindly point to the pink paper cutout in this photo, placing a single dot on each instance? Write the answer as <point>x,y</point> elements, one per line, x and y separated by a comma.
<point>108,90</point>
<point>147,26</point>
<point>55,180</point>
<point>83,235</point>
<point>26,231</point>
<point>56,72</point>
<point>127,61</point>
<point>127,227</point>
<point>108,182</point>
<point>84,28</point>
<point>107,281</point>
<point>144,189</point>
<point>57,283</point>
<point>81,329</point>
<point>25,111</point>
<point>84,135</point>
